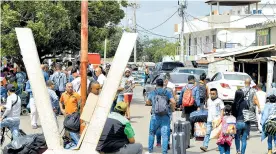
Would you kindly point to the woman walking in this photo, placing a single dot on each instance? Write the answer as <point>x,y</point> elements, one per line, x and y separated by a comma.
<point>239,105</point>
<point>269,120</point>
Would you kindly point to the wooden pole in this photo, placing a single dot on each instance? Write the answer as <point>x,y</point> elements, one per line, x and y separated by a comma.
<point>84,55</point>
<point>259,70</point>
<point>84,50</point>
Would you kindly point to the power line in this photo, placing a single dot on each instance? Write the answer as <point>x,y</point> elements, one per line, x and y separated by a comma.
<point>164,21</point>
<point>143,31</point>
<point>224,21</point>
<point>147,31</point>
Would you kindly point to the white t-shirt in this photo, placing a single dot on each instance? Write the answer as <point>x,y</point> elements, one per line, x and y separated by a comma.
<point>214,108</point>
<point>171,86</point>
<point>77,84</point>
<point>13,111</point>
<point>261,98</point>
<point>101,79</point>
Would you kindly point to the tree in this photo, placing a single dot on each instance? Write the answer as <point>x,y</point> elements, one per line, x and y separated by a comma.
<point>56,25</point>
<point>156,49</point>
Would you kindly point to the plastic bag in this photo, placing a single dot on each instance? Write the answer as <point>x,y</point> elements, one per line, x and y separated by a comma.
<point>200,129</point>
<point>216,132</point>
<point>216,122</point>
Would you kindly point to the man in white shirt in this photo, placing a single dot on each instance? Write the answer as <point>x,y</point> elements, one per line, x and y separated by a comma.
<point>261,95</point>
<point>215,110</point>
<point>101,77</point>
<point>77,81</point>
<point>11,115</point>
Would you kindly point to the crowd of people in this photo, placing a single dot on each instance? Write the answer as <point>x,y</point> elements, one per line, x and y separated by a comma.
<point>118,135</point>
<point>64,92</point>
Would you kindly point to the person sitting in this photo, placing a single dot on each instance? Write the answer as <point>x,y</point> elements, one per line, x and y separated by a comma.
<point>11,116</point>
<point>118,135</point>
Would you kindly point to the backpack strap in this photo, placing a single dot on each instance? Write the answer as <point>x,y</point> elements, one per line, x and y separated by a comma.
<point>15,101</point>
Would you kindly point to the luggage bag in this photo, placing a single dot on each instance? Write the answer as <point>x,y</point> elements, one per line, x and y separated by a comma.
<point>178,143</point>
<point>185,127</point>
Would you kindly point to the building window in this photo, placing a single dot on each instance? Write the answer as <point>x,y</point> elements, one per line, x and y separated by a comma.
<point>195,47</point>
<point>207,39</point>
<point>214,41</point>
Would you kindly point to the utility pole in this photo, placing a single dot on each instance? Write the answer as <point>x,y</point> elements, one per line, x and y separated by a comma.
<point>135,28</point>
<point>182,6</point>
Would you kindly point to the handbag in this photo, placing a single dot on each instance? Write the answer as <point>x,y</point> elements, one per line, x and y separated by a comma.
<point>249,116</point>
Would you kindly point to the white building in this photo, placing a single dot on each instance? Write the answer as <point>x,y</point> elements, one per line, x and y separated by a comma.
<point>224,30</point>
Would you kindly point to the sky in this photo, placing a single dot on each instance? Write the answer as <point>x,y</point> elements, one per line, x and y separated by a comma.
<point>154,12</point>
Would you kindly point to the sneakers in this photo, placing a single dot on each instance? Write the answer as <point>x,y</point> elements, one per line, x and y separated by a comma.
<point>203,149</point>
<point>158,145</point>
<point>34,126</point>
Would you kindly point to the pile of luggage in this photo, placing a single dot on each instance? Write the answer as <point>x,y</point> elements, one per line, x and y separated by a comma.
<point>198,121</point>
<point>181,136</point>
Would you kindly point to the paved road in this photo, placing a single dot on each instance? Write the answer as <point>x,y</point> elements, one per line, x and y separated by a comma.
<point>140,117</point>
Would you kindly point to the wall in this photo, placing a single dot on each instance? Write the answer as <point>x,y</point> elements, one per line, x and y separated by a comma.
<point>273,35</point>
<point>220,66</point>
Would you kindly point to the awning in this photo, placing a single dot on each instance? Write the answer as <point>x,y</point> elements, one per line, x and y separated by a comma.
<point>241,51</point>
<point>256,60</point>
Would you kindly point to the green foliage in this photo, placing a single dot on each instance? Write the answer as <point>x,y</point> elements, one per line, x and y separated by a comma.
<point>56,25</point>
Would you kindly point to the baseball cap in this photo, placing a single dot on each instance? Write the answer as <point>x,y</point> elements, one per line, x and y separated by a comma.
<point>10,87</point>
<point>121,106</point>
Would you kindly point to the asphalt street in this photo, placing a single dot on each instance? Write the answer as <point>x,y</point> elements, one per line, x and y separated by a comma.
<point>140,118</point>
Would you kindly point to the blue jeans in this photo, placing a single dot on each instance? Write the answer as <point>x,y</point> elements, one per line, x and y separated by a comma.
<point>162,122</point>
<point>207,136</point>
<point>241,136</point>
<point>158,136</point>
<point>224,149</point>
<point>75,137</point>
<point>12,124</point>
<point>269,141</point>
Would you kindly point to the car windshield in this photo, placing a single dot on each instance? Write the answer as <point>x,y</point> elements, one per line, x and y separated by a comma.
<point>241,77</point>
<point>192,71</point>
<point>169,66</point>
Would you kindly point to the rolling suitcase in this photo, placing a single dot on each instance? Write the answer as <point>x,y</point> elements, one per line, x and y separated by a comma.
<point>185,127</point>
<point>178,143</point>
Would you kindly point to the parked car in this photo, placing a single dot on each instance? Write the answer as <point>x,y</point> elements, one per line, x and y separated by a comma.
<point>179,79</point>
<point>227,83</point>
<point>196,71</point>
<point>165,67</point>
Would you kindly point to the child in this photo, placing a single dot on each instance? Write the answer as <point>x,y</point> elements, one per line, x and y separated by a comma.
<point>228,131</point>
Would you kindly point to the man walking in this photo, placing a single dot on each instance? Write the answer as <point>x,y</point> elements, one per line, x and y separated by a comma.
<point>215,111</point>
<point>195,94</point>
<point>251,97</point>
<point>77,81</point>
<point>160,117</point>
<point>44,68</point>
<point>34,114</point>
<point>59,79</point>
<point>261,95</point>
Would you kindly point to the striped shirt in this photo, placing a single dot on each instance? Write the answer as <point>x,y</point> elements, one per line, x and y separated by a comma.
<point>60,80</point>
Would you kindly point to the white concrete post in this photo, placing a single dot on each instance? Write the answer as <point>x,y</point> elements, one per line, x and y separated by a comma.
<point>108,93</point>
<point>40,92</point>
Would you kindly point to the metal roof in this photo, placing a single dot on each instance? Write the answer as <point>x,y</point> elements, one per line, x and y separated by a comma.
<point>241,51</point>
<point>232,2</point>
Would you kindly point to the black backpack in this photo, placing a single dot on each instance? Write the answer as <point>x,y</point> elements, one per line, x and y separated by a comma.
<point>71,122</point>
<point>202,91</point>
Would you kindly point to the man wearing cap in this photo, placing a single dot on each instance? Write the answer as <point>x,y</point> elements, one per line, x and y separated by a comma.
<point>11,115</point>
<point>118,135</point>
<point>160,121</point>
<point>126,88</point>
